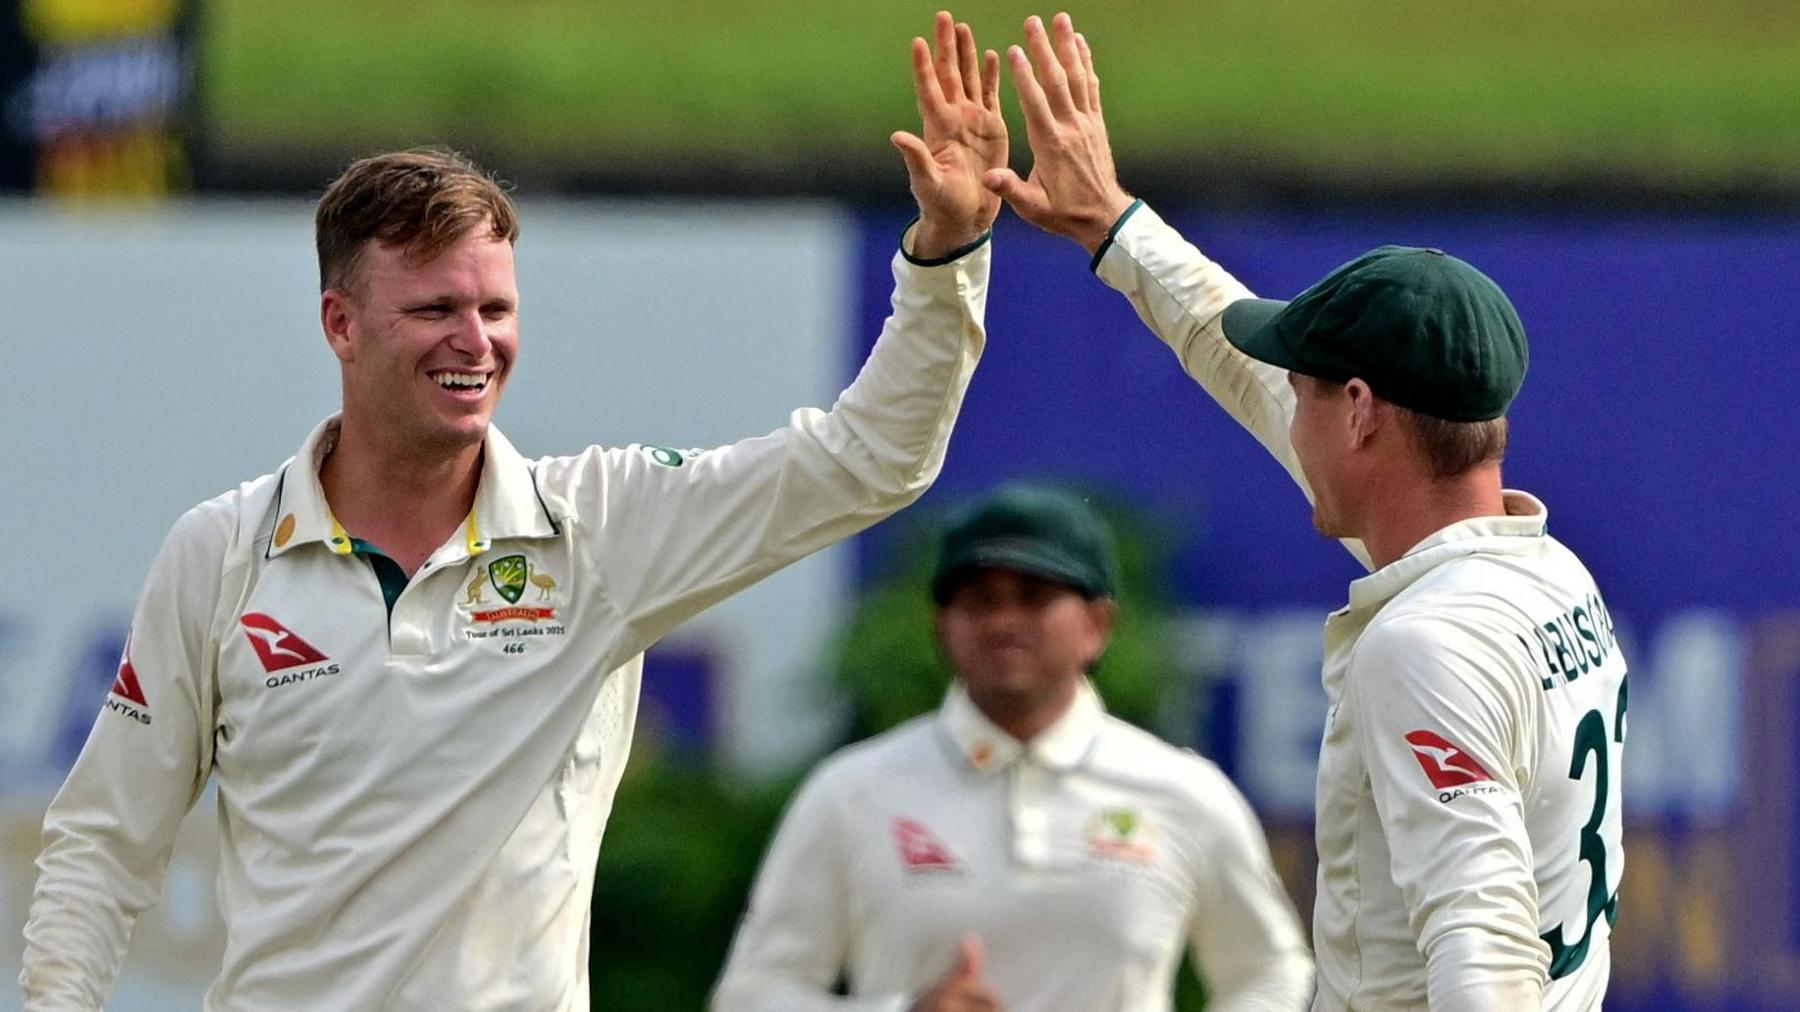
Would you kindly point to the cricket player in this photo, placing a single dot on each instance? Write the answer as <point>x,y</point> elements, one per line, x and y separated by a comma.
<point>410,656</point>
<point>1019,849</point>
<point>1468,793</point>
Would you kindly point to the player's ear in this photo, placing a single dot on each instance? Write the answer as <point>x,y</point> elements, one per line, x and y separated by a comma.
<point>1103,612</point>
<point>1365,413</point>
<point>335,320</point>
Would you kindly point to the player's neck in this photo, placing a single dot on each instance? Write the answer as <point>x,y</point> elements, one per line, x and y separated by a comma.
<point>404,501</point>
<point>1024,718</point>
<point>1407,512</point>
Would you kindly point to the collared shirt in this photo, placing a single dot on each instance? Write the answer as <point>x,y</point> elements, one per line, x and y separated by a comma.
<point>1469,817</point>
<point>411,800</point>
<point>1087,860</point>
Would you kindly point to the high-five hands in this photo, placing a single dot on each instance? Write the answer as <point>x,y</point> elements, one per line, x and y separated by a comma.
<point>1072,190</point>
<point>964,137</point>
<point>961,989</point>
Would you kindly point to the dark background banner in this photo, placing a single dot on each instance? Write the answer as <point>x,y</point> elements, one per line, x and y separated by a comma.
<point>97,99</point>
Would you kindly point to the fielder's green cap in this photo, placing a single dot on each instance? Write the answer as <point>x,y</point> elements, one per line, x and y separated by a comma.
<point>1028,529</point>
<point>1422,328</point>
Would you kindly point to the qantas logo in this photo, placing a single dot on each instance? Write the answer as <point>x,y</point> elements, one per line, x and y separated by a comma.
<point>920,851</point>
<point>276,645</point>
<point>126,685</point>
<point>1445,764</point>
<point>127,696</point>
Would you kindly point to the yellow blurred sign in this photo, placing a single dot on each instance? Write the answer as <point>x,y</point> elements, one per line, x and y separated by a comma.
<point>65,22</point>
<point>102,111</point>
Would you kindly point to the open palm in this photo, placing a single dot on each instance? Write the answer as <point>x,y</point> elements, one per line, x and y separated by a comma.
<point>964,133</point>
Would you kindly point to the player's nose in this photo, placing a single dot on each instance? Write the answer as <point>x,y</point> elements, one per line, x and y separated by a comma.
<point>470,334</point>
<point>1006,616</point>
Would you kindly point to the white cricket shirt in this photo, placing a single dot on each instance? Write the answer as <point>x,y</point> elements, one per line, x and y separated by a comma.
<point>1087,860</point>
<point>1469,821</point>
<point>411,805</point>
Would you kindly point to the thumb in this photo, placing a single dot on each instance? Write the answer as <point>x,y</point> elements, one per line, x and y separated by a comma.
<point>1027,199</point>
<point>1003,182</point>
<point>970,956</point>
<point>916,154</point>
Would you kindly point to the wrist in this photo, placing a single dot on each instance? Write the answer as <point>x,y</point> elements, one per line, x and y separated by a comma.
<point>934,240</point>
<point>1097,231</point>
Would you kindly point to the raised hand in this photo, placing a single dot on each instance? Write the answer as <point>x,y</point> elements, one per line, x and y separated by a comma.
<point>964,136</point>
<point>1072,190</point>
<point>961,989</point>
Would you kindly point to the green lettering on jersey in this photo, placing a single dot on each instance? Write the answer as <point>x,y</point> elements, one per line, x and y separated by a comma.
<point>1590,740</point>
<point>1566,658</point>
<point>1586,629</point>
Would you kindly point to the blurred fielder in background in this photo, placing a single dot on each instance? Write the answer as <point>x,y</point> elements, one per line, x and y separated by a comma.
<point>1019,849</point>
<point>412,657</point>
<point>1469,816</point>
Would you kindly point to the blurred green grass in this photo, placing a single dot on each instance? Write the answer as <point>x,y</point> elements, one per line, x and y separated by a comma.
<point>1402,89</point>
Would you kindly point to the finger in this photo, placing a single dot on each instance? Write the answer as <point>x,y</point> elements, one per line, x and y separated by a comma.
<point>966,63</point>
<point>971,956</point>
<point>983,999</point>
<point>1068,54</point>
<point>1039,120</point>
<point>915,153</point>
<point>925,82</point>
<point>990,82</point>
<point>1049,72</point>
<point>1093,79</point>
<point>949,77</point>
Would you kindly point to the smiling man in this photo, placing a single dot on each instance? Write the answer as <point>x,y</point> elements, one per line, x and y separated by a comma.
<point>411,657</point>
<point>1018,850</point>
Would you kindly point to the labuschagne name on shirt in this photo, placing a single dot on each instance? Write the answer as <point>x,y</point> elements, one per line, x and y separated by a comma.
<point>1573,642</point>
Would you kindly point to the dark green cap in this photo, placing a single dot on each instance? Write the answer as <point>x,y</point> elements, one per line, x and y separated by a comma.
<point>1422,328</point>
<point>1032,530</point>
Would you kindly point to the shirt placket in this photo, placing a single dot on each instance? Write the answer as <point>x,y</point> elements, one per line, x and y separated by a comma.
<point>1030,812</point>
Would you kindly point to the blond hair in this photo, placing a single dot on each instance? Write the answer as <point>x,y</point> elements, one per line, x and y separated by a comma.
<point>422,201</point>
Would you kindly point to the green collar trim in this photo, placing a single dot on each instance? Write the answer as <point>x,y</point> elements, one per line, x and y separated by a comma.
<point>393,579</point>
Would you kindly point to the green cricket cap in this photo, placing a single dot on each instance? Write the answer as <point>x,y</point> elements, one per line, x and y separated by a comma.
<point>1028,529</point>
<point>1425,330</point>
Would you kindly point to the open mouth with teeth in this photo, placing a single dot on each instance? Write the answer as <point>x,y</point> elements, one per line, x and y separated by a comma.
<point>474,382</point>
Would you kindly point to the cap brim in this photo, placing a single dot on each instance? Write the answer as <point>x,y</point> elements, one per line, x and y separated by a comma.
<point>1031,559</point>
<point>1249,324</point>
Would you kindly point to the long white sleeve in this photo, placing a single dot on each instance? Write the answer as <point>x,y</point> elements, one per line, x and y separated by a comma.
<point>109,832</point>
<point>794,941</point>
<point>1464,869</point>
<point>1245,937</point>
<point>687,528</point>
<point>1180,295</point>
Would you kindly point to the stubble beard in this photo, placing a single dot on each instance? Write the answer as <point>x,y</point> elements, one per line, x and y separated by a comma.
<point>1328,523</point>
